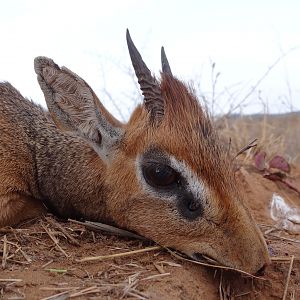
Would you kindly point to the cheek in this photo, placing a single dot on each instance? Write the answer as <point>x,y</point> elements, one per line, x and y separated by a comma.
<point>160,221</point>
<point>122,185</point>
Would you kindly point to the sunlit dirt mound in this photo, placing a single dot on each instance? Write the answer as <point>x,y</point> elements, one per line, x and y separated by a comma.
<point>40,259</point>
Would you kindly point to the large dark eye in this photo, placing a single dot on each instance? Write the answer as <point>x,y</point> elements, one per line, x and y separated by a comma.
<point>159,175</point>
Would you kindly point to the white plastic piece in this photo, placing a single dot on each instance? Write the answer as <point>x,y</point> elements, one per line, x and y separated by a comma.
<point>287,217</point>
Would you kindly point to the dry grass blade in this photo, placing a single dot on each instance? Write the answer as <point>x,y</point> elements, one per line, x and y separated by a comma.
<point>288,278</point>
<point>247,147</point>
<point>281,259</point>
<point>59,288</point>
<point>129,253</point>
<point>156,276</point>
<point>60,296</point>
<point>89,290</point>
<point>108,228</point>
<point>11,280</point>
<point>55,241</point>
<point>4,252</point>
<point>47,263</point>
<point>19,249</point>
<point>69,237</point>
<point>159,268</point>
<point>284,238</point>
<point>221,291</point>
<point>10,230</point>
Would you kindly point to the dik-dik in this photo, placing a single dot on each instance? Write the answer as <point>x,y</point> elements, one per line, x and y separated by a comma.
<point>164,174</point>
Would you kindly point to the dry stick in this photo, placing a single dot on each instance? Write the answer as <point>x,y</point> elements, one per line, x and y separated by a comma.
<point>6,230</point>
<point>159,268</point>
<point>18,261</point>
<point>4,254</point>
<point>103,257</point>
<point>47,264</point>
<point>155,276</point>
<point>281,259</point>
<point>284,238</point>
<point>56,295</point>
<point>69,289</point>
<point>288,278</point>
<point>29,260</point>
<point>72,240</point>
<point>108,228</point>
<point>11,280</point>
<point>55,241</point>
<point>92,289</point>
<point>247,147</point>
<point>221,291</point>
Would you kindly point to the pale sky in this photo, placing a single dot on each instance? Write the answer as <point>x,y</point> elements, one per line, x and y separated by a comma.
<point>243,38</point>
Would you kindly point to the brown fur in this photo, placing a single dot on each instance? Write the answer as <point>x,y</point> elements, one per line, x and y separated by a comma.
<point>62,168</point>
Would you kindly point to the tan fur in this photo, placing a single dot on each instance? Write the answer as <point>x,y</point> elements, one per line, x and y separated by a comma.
<point>62,167</point>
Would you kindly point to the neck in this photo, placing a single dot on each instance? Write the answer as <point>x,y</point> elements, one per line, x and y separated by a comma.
<point>71,177</point>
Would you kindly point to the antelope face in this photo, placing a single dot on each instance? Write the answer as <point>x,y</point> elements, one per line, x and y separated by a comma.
<point>180,189</point>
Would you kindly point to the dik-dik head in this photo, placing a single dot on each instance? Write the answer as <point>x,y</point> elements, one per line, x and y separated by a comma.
<point>167,176</point>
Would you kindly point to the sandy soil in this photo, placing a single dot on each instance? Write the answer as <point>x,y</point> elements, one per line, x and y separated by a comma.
<point>34,267</point>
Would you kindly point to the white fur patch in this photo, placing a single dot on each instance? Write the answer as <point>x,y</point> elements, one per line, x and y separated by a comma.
<point>195,185</point>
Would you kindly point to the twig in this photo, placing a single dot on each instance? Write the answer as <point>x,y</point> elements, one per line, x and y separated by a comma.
<point>92,289</point>
<point>281,259</point>
<point>108,228</point>
<point>288,278</point>
<point>58,271</point>
<point>103,257</point>
<point>72,240</point>
<point>55,241</point>
<point>69,288</point>
<point>57,296</point>
<point>156,276</point>
<point>247,147</point>
<point>11,280</point>
<point>159,268</point>
<point>221,290</point>
<point>47,264</point>
<point>28,259</point>
<point>4,254</point>
<point>283,238</point>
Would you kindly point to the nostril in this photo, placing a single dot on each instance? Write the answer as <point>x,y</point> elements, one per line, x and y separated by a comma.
<point>261,271</point>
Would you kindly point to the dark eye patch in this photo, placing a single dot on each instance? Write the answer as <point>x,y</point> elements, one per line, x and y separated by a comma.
<point>165,180</point>
<point>188,206</point>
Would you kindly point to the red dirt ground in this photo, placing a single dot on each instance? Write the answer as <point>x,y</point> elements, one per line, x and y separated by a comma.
<point>36,268</point>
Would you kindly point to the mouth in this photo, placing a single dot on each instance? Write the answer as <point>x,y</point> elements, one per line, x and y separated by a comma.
<point>208,259</point>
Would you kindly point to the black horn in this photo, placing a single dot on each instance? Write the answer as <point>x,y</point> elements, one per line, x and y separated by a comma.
<point>164,63</point>
<point>151,91</point>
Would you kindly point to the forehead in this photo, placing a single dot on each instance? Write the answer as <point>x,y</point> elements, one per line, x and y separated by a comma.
<point>185,132</point>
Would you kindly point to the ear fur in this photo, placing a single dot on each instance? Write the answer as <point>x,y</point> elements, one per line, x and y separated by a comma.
<point>75,108</point>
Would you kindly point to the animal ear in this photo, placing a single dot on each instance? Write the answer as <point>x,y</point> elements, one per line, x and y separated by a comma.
<point>75,108</point>
<point>153,100</point>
